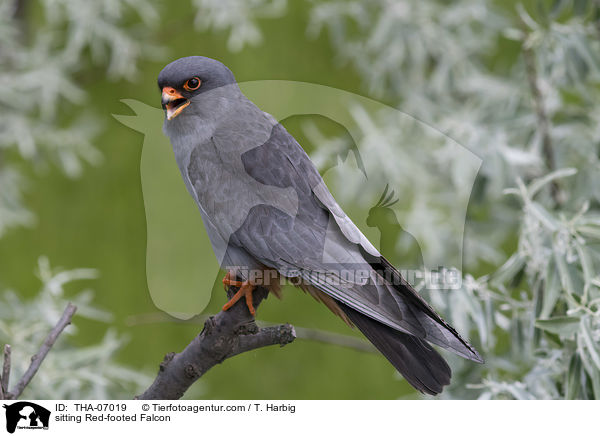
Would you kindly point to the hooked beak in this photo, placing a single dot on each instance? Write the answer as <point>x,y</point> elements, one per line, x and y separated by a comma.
<point>173,102</point>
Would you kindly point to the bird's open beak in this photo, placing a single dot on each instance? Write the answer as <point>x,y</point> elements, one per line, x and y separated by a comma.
<point>173,102</point>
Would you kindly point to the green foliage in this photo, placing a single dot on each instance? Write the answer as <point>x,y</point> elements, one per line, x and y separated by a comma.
<point>238,17</point>
<point>519,87</point>
<point>44,121</point>
<point>44,117</point>
<point>69,371</point>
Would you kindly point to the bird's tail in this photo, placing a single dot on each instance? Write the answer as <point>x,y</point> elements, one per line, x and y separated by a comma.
<point>415,359</point>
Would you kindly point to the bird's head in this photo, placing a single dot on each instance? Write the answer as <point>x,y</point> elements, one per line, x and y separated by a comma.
<point>381,214</point>
<point>183,82</point>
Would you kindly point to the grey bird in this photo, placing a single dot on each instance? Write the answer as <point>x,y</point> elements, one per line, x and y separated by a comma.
<point>269,215</point>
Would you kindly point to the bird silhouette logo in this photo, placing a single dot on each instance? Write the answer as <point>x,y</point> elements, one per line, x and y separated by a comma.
<point>267,209</point>
<point>181,275</point>
<point>397,244</point>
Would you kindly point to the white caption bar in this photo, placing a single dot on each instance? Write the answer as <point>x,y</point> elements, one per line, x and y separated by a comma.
<point>297,417</point>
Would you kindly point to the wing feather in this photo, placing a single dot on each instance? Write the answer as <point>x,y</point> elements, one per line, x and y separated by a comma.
<point>321,240</point>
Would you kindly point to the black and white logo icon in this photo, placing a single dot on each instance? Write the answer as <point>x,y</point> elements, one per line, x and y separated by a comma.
<point>26,415</point>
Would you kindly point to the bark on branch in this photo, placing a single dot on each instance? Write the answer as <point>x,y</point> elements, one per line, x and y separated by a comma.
<point>224,335</point>
<point>542,119</point>
<point>5,373</point>
<point>36,359</point>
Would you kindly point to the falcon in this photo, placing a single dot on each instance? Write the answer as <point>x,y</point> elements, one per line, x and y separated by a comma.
<point>270,217</point>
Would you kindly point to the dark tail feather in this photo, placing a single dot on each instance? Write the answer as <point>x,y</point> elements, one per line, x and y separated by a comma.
<point>415,359</point>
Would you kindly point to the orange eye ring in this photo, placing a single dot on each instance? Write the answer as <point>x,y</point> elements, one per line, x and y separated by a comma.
<point>192,84</point>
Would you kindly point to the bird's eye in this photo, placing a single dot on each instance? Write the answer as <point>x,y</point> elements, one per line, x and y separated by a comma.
<point>192,84</point>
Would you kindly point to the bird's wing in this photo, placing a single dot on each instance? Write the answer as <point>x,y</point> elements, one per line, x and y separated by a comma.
<point>323,246</point>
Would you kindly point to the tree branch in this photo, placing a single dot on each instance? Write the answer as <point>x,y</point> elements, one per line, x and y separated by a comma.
<point>543,122</point>
<point>332,338</point>
<point>224,335</point>
<point>309,334</point>
<point>5,373</point>
<point>38,358</point>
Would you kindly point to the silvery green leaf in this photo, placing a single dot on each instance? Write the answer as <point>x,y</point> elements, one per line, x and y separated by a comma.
<point>587,53</point>
<point>563,272</point>
<point>590,368</point>
<point>509,269</point>
<point>525,17</point>
<point>587,265</point>
<point>565,326</point>
<point>514,34</point>
<point>543,216</point>
<point>588,230</point>
<point>518,391</point>
<point>551,292</point>
<point>591,345</point>
<point>538,184</point>
<point>573,379</point>
<point>590,218</point>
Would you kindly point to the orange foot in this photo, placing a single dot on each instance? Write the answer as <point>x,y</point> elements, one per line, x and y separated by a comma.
<point>246,289</point>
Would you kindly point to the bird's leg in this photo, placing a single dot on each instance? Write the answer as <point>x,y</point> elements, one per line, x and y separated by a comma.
<point>246,289</point>
<point>228,281</point>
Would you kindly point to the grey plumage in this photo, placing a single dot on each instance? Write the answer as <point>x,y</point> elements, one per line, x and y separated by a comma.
<point>264,204</point>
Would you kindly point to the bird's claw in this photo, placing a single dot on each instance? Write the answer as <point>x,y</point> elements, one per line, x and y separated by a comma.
<point>246,289</point>
<point>227,281</point>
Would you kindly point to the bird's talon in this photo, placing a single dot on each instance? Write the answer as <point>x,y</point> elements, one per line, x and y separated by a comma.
<point>227,281</point>
<point>245,290</point>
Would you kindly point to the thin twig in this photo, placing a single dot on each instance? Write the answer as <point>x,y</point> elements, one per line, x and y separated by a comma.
<point>162,317</point>
<point>224,335</point>
<point>39,357</point>
<point>5,372</point>
<point>335,339</point>
<point>309,334</point>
